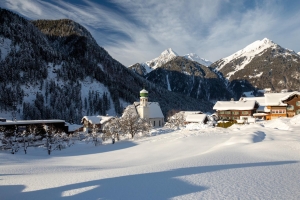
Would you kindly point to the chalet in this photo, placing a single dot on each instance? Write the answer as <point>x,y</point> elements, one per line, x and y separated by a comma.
<point>275,107</point>
<point>262,111</point>
<point>234,110</point>
<point>292,101</point>
<point>91,122</point>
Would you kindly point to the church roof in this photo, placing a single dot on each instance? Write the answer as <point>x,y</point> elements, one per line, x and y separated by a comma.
<point>154,109</point>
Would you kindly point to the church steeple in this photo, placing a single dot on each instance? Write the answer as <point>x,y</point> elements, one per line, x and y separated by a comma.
<point>143,108</point>
<point>144,97</point>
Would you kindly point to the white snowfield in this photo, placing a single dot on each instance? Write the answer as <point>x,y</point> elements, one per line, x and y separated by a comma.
<point>257,161</point>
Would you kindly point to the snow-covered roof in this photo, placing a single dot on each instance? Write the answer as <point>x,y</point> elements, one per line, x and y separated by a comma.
<point>274,99</point>
<point>52,121</point>
<point>196,118</point>
<point>74,127</point>
<point>234,105</point>
<point>130,108</point>
<point>259,100</point>
<point>154,109</point>
<point>97,119</point>
<point>186,113</point>
<point>289,95</point>
<point>143,91</point>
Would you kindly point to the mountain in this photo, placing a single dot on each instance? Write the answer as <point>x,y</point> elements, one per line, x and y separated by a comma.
<point>147,67</point>
<point>198,59</point>
<point>165,56</point>
<point>262,64</point>
<point>190,78</point>
<point>55,69</point>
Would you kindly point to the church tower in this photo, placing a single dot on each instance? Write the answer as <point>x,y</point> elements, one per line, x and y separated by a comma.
<point>143,108</point>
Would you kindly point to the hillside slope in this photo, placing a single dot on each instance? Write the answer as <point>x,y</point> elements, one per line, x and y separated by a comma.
<point>55,69</point>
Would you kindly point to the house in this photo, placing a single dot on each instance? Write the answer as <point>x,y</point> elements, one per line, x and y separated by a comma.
<point>275,105</point>
<point>262,111</point>
<point>234,110</point>
<point>91,122</point>
<point>26,125</point>
<point>196,118</point>
<point>150,111</point>
<point>292,100</point>
<point>186,113</point>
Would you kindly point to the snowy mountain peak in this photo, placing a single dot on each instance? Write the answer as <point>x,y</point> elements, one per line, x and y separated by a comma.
<point>169,51</point>
<point>247,54</point>
<point>252,49</point>
<point>195,57</point>
<point>298,53</point>
<point>164,57</point>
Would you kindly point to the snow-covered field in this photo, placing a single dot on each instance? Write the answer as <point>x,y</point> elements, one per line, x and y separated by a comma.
<point>258,161</point>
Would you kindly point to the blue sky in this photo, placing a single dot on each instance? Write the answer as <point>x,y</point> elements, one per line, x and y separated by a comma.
<point>136,30</point>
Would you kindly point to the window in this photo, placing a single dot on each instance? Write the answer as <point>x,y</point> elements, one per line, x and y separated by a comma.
<point>298,112</point>
<point>245,112</point>
<point>290,107</point>
<point>298,103</point>
<point>159,123</point>
<point>235,113</point>
<point>227,112</point>
<point>221,112</point>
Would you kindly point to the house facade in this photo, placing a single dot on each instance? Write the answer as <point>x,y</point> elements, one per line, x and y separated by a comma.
<point>292,101</point>
<point>26,125</point>
<point>234,110</point>
<point>276,105</point>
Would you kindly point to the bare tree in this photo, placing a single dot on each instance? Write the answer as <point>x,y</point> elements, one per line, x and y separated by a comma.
<point>112,129</point>
<point>132,124</point>
<point>94,136</point>
<point>176,120</point>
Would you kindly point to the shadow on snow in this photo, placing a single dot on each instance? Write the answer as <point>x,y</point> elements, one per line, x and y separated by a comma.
<point>156,185</point>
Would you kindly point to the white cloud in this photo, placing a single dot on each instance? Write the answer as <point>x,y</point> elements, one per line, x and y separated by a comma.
<point>140,30</point>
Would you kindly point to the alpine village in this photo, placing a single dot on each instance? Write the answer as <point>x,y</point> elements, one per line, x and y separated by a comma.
<point>58,81</point>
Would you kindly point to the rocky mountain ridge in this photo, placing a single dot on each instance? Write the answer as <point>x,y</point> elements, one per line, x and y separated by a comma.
<point>262,64</point>
<point>166,56</point>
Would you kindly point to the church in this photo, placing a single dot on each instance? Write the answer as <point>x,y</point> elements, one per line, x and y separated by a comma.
<point>150,111</point>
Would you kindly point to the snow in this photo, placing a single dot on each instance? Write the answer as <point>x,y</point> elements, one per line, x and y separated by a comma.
<point>168,83</point>
<point>257,161</point>
<point>274,99</point>
<point>195,57</point>
<point>154,109</point>
<point>196,118</point>
<point>235,105</point>
<point>298,53</point>
<point>32,122</point>
<point>290,94</point>
<point>4,47</point>
<point>97,119</point>
<point>257,75</point>
<point>168,55</point>
<point>164,57</point>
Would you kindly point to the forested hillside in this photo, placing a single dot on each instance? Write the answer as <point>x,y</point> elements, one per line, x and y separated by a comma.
<point>55,69</point>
